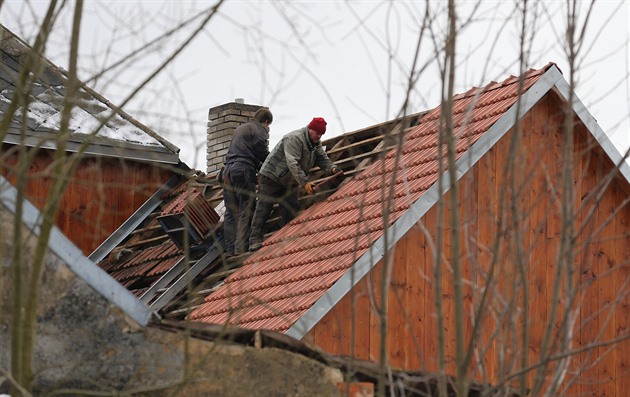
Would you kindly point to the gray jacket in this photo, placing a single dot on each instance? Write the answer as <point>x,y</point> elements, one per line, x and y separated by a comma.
<point>291,159</point>
<point>249,145</point>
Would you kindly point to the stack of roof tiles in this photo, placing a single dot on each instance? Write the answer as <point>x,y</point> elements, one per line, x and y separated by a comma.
<point>198,211</point>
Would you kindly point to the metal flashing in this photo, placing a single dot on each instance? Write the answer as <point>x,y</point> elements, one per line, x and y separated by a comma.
<point>133,221</point>
<point>126,151</point>
<point>593,127</point>
<point>72,256</point>
<point>187,277</point>
<point>420,207</point>
<point>163,281</point>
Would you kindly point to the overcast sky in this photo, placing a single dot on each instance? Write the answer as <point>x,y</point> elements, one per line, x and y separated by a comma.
<point>346,61</point>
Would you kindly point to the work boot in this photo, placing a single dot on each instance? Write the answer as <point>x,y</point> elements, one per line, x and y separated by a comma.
<point>255,246</point>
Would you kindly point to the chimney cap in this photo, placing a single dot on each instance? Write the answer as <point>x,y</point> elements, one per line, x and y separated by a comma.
<point>239,100</point>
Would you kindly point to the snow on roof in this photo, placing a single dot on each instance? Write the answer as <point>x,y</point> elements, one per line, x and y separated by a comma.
<point>86,118</point>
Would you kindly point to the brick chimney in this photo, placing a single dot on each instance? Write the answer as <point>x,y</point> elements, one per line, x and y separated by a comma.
<point>222,121</point>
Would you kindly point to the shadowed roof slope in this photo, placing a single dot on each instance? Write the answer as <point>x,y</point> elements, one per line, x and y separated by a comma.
<point>281,282</point>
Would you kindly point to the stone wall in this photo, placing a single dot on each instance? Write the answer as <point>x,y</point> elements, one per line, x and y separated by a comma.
<point>82,341</point>
<point>222,121</point>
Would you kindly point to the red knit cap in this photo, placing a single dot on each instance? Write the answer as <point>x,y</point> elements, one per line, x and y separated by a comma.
<point>318,124</point>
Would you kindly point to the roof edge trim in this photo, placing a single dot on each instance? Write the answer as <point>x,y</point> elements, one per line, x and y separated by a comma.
<point>593,127</point>
<point>129,153</point>
<point>72,256</point>
<point>421,206</point>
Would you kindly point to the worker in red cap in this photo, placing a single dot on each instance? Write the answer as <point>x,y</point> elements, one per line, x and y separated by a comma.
<point>285,171</point>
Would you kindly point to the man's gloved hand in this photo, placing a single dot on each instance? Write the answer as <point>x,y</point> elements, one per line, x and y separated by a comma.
<point>309,187</point>
<point>336,170</point>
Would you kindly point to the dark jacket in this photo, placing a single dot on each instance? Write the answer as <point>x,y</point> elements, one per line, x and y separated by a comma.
<point>292,158</point>
<point>249,145</point>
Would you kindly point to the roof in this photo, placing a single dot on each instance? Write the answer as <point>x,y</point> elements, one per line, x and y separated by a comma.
<point>96,126</point>
<point>171,275</point>
<point>304,269</point>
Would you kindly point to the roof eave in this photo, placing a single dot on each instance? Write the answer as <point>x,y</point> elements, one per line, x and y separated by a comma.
<point>128,152</point>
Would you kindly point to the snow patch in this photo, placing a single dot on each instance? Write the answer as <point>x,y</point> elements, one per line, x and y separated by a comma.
<point>42,110</point>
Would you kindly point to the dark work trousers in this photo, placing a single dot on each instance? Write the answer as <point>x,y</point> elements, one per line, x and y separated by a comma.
<point>269,193</point>
<point>239,194</point>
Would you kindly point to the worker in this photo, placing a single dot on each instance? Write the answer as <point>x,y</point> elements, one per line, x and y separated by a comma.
<point>248,149</point>
<point>285,171</point>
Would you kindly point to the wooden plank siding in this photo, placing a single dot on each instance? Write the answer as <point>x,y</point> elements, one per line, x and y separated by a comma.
<point>487,206</point>
<point>622,309</point>
<point>520,207</point>
<point>101,194</point>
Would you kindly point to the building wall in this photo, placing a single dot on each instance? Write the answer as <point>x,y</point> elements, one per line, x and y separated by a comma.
<point>101,194</point>
<point>510,219</point>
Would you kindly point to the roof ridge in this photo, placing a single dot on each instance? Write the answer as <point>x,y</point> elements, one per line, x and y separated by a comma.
<point>493,85</point>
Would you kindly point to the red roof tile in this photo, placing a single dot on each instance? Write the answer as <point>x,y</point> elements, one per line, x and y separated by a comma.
<point>300,262</point>
<point>148,262</point>
<point>198,211</point>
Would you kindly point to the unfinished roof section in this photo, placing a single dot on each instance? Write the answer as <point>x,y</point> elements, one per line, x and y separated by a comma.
<point>148,255</point>
<point>174,243</point>
<point>103,128</point>
<point>302,270</point>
